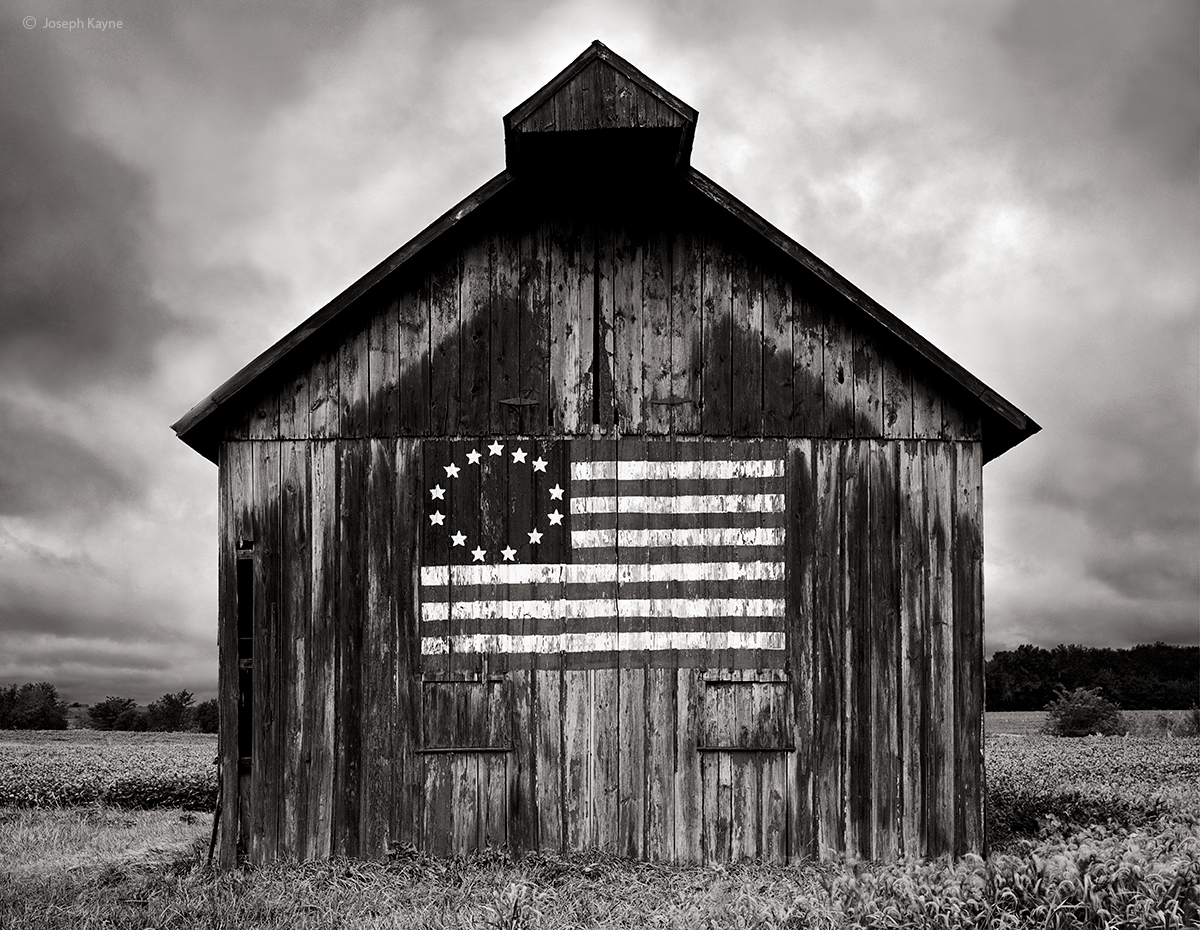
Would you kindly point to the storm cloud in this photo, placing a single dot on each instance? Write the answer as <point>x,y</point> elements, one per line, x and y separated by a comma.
<point>1015,178</point>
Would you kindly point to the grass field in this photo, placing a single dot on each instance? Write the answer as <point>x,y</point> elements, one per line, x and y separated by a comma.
<point>1140,722</point>
<point>1097,832</point>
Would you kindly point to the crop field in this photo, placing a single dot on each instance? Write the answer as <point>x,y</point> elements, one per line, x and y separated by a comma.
<point>1094,832</point>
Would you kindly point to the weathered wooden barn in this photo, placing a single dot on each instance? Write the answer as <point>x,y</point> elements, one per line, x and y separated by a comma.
<point>602,515</point>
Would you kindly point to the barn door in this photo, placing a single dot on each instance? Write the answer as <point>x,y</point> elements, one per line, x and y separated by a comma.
<point>466,747</point>
<point>745,745</point>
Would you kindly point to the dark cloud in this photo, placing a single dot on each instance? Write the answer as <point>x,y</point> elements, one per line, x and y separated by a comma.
<point>75,299</point>
<point>44,471</point>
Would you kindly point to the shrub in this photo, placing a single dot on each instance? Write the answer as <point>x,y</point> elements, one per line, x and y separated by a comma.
<point>1083,712</point>
<point>171,712</point>
<point>106,713</point>
<point>131,719</point>
<point>208,716</point>
<point>32,707</point>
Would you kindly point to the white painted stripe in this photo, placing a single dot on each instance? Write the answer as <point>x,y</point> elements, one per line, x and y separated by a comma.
<point>680,537</point>
<point>659,471</point>
<point>550,643</point>
<point>591,608</point>
<point>600,573</point>
<point>681,503</point>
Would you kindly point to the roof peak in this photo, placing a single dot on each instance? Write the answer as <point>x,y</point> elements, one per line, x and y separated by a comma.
<point>600,101</point>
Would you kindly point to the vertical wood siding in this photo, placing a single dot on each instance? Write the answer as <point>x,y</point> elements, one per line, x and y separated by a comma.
<point>867,740</point>
<point>550,320</point>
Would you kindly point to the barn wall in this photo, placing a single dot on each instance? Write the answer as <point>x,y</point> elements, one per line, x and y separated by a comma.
<point>695,327</point>
<point>867,739</point>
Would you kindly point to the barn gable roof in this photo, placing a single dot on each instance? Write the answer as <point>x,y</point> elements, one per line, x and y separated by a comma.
<point>589,97</point>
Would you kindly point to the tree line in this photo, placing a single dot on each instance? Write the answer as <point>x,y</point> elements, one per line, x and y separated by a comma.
<point>1149,677</point>
<point>37,707</point>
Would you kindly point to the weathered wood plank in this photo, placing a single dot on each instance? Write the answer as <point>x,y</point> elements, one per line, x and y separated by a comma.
<point>856,707</point>
<point>506,333</point>
<point>354,386</point>
<point>884,648</point>
<point>914,662</point>
<point>475,321</point>
<point>808,363</point>
<point>324,405</point>
<point>380,665</point>
<point>445,353</point>
<point>689,811</point>
<point>868,384</point>
<point>829,652</point>
<point>660,740</point>
<point>407,811</point>
<point>656,329</point>
<point>606,784</point>
<point>296,621</point>
<point>687,292</point>
<point>383,371</point>
<point>897,393</point>
<point>440,784</point>
<point>522,800</point>
<point>413,353</point>
<point>571,321</point>
<point>774,817</point>
<point>631,762</point>
<point>939,485</point>
<point>534,296</point>
<point>627,270</point>
<point>716,370</point>
<point>235,475</point>
<point>745,806</point>
<point>801,558</point>
<point>777,359</point>
<point>838,378</point>
<point>550,763</point>
<point>349,623</point>
<point>578,791</point>
<point>968,648</point>
<point>927,404</point>
<point>293,404</point>
<point>262,420</point>
<point>267,767</point>
<point>321,655</point>
<point>746,343</point>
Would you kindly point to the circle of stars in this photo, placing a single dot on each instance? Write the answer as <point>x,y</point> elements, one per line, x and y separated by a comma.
<point>475,457</point>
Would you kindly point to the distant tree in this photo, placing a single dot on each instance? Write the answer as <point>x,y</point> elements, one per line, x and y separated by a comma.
<point>132,719</point>
<point>32,707</point>
<point>1083,712</point>
<point>105,714</point>
<point>172,712</point>
<point>208,716</point>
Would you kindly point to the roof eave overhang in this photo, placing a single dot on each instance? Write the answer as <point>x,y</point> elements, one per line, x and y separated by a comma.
<point>193,427</point>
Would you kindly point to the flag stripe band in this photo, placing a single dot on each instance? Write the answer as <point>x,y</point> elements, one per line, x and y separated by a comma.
<point>681,504</point>
<point>603,642</point>
<point>566,608</point>
<point>709,469</point>
<point>558,573</point>
<point>680,537</point>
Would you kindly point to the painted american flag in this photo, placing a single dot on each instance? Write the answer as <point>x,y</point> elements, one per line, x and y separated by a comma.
<point>598,550</point>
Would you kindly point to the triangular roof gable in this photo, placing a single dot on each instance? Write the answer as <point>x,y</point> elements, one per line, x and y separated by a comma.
<point>1004,427</point>
<point>599,90</point>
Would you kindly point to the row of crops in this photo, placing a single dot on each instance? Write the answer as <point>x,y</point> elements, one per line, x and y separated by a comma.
<point>135,770</point>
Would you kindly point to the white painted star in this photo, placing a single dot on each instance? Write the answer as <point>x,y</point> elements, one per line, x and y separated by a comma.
<point>534,537</point>
<point>539,464</point>
<point>519,455</point>
<point>473,457</point>
<point>556,493</point>
<point>437,492</point>
<point>555,518</point>
<point>477,554</point>
<point>458,539</point>
<point>508,552</point>
<point>437,518</point>
<point>452,470</point>
<point>495,448</point>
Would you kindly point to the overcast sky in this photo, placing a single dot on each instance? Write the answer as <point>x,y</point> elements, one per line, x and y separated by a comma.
<point>1017,179</point>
